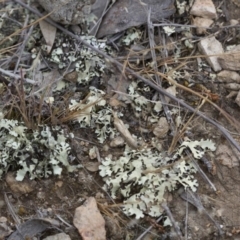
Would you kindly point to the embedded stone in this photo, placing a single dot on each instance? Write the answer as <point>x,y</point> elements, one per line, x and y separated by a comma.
<point>231,59</point>
<point>202,24</point>
<point>212,48</point>
<point>204,8</point>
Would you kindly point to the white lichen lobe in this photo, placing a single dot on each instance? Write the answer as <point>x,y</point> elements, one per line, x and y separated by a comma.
<point>143,176</point>
<point>39,153</point>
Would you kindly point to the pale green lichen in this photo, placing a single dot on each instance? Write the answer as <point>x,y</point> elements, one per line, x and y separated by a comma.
<point>169,30</point>
<point>181,6</point>
<point>132,36</point>
<point>95,113</point>
<point>143,176</point>
<point>38,153</point>
<point>143,105</point>
<point>87,63</point>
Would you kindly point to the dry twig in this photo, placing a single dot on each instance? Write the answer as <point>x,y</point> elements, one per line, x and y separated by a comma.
<point>176,228</point>
<point>194,199</point>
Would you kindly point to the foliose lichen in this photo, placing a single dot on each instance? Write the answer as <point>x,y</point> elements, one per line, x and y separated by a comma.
<point>94,112</point>
<point>38,153</point>
<point>143,176</point>
<point>70,52</point>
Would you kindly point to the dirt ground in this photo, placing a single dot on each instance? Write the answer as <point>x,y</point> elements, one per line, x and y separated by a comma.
<point>57,197</point>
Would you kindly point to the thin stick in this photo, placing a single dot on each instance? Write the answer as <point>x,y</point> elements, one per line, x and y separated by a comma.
<point>155,68</point>
<point>176,228</point>
<point>194,199</point>
<point>22,46</point>
<point>66,223</point>
<point>186,220</point>
<point>11,74</point>
<point>148,229</point>
<point>11,211</point>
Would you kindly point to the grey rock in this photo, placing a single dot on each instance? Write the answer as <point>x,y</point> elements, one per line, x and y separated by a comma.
<point>67,11</point>
<point>121,16</point>
<point>29,229</point>
<point>125,14</point>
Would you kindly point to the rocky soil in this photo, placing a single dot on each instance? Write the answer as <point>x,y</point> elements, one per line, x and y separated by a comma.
<point>132,133</point>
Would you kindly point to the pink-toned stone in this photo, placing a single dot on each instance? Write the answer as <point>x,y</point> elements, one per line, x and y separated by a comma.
<point>161,128</point>
<point>234,22</point>
<point>202,24</point>
<point>212,48</point>
<point>226,156</point>
<point>89,221</point>
<point>228,76</point>
<point>19,188</point>
<point>237,100</point>
<point>231,59</point>
<point>204,8</point>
